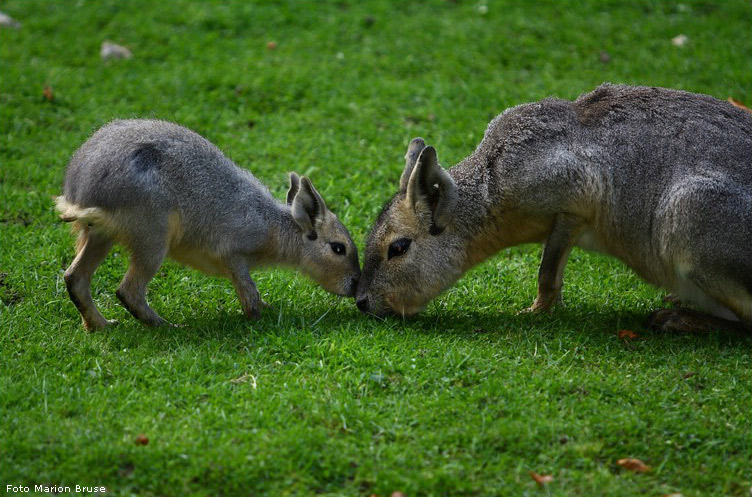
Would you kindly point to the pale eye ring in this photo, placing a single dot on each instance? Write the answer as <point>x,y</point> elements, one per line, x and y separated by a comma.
<point>338,248</point>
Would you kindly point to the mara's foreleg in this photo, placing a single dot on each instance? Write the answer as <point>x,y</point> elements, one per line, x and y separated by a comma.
<point>556,250</point>
<point>245,288</point>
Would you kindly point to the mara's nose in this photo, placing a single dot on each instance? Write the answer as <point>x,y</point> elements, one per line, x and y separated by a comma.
<point>362,304</point>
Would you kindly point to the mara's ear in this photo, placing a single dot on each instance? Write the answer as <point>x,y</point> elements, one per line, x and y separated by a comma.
<point>411,157</point>
<point>430,188</point>
<point>294,187</point>
<point>308,208</point>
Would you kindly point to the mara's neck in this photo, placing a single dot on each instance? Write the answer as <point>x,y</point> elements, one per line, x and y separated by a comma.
<point>486,221</point>
<point>283,245</point>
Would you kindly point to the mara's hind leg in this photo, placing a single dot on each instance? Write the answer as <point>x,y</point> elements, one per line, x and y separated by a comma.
<point>709,252</point>
<point>146,257</point>
<point>686,320</point>
<point>93,248</point>
<point>726,306</point>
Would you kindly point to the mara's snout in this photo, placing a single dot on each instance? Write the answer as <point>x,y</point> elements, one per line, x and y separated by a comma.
<point>348,286</point>
<point>403,305</point>
<point>365,305</point>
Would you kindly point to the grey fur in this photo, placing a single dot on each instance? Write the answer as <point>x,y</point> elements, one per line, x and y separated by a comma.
<point>411,157</point>
<point>163,190</point>
<point>660,178</point>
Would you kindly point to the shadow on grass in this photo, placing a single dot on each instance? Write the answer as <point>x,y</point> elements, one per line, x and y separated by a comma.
<point>594,325</point>
<point>233,327</point>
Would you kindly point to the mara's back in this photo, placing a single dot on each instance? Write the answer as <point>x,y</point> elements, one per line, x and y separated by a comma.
<point>660,129</point>
<point>627,126</point>
<point>132,163</point>
<point>655,147</point>
<point>623,144</point>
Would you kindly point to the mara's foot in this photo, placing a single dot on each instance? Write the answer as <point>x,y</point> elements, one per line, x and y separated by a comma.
<point>684,320</point>
<point>96,325</point>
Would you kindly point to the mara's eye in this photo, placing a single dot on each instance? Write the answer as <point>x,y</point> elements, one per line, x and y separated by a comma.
<point>337,248</point>
<point>398,247</point>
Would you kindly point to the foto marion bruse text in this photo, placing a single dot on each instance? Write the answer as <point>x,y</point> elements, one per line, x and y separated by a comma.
<point>54,489</point>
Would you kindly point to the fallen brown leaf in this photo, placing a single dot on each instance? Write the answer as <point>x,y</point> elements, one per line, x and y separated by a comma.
<point>633,465</point>
<point>272,45</point>
<point>627,335</point>
<point>48,95</point>
<point>142,439</point>
<point>737,103</point>
<point>541,479</point>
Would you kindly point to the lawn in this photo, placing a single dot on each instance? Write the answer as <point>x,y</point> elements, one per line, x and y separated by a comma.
<point>314,398</point>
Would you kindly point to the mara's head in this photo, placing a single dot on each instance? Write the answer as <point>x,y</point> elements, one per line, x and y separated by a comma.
<point>328,254</point>
<point>413,252</point>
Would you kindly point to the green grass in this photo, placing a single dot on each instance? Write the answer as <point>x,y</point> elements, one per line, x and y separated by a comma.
<point>314,398</point>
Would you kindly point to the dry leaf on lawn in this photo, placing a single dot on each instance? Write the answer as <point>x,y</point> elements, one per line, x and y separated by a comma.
<point>627,335</point>
<point>633,465</point>
<point>541,479</point>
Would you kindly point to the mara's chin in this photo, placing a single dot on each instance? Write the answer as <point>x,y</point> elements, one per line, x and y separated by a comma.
<point>388,306</point>
<point>346,289</point>
<point>403,309</point>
